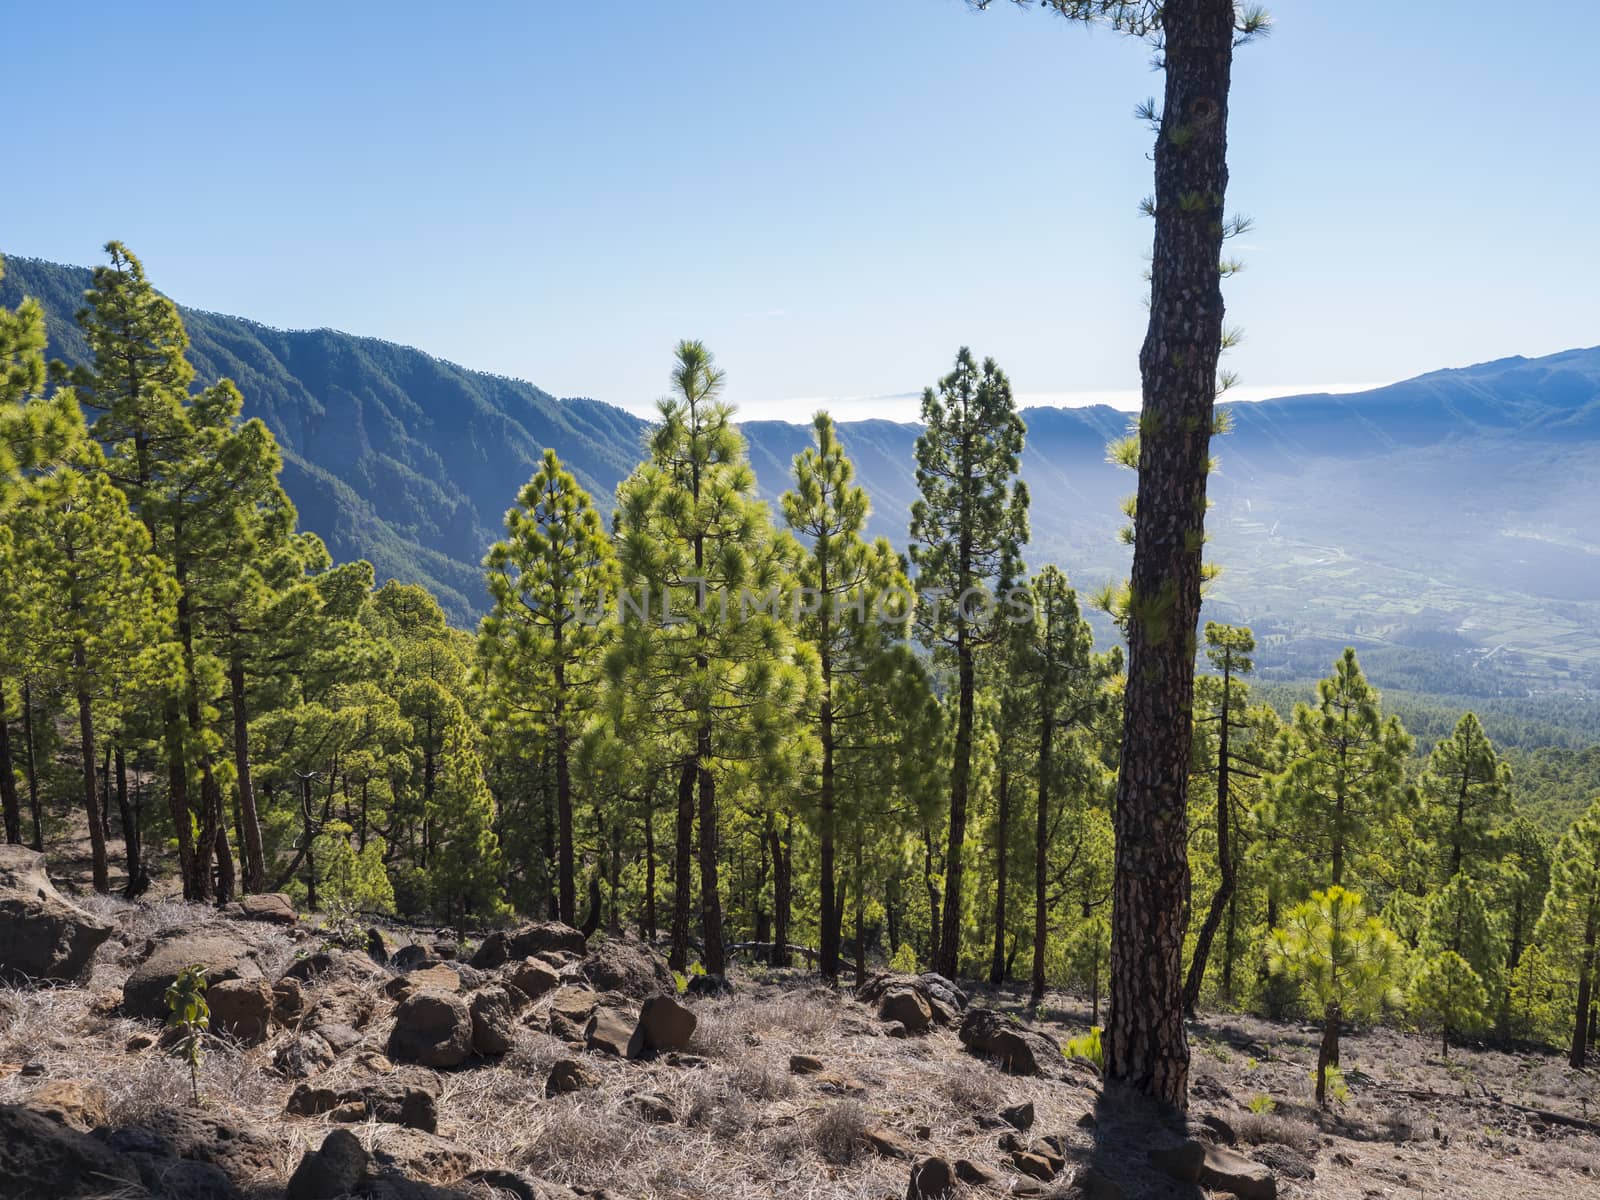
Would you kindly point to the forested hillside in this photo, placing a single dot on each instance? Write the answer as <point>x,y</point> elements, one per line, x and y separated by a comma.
<point>1489,587</point>
<point>723,722</point>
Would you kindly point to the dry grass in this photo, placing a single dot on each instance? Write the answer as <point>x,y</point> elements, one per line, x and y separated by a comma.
<point>746,1129</point>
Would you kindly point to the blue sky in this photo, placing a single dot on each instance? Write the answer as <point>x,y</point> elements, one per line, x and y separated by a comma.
<point>834,194</point>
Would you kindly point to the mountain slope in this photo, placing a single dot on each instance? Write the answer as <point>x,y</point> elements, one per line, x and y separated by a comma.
<point>1444,524</point>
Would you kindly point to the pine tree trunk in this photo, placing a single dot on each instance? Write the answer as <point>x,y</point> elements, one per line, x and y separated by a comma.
<point>1327,1052</point>
<point>710,894</point>
<point>9,802</point>
<point>1224,892</point>
<point>649,922</point>
<point>782,893</point>
<point>568,894</point>
<point>33,770</point>
<point>196,885</point>
<point>1145,1043</point>
<point>933,894</point>
<point>91,793</point>
<point>997,963</point>
<point>861,917</point>
<point>1580,1024</point>
<point>130,830</point>
<point>682,853</point>
<point>947,962</point>
<point>828,949</point>
<point>255,864</point>
<point>1041,848</point>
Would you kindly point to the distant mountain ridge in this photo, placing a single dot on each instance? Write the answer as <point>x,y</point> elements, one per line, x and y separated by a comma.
<point>1457,505</point>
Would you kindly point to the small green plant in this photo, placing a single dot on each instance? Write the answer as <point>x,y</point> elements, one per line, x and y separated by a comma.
<point>1251,1064</point>
<point>1262,1105</point>
<point>1218,1052</point>
<point>1088,1048</point>
<point>682,980</point>
<point>188,1011</point>
<point>1337,1090</point>
<point>904,960</point>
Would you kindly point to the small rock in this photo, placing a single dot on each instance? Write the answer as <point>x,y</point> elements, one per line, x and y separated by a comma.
<point>629,967</point>
<point>975,1173</point>
<point>612,1033</point>
<point>1182,1162</point>
<point>303,1056</point>
<point>1226,1171</point>
<point>804,1064</point>
<point>140,1041</point>
<point>335,1170</point>
<point>1035,1165</point>
<point>43,1160</point>
<point>568,1075</point>
<point>272,907</point>
<point>288,1002</point>
<point>887,1144</point>
<point>531,977</point>
<point>32,1069</point>
<point>43,935</point>
<point>1087,1121</point>
<point>1018,1116</point>
<point>433,1029</point>
<point>494,1021</point>
<point>224,957</point>
<point>931,1179</point>
<point>907,1006</point>
<point>241,1009</point>
<point>416,1153</point>
<point>377,948</point>
<point>73,1103</point>
<point>896,1030</point>
<point>665,1024</point>
<point>653,1107</point>
<point>1018,1049</point>
<point>410,957</point>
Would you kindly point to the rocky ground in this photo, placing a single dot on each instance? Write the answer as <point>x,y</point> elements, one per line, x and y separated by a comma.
<point>534,1064</point>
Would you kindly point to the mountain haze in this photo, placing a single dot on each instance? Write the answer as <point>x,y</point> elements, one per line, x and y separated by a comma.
<point>1445,525</point>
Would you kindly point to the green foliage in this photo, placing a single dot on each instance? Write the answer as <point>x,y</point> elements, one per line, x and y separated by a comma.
<point>1449,995</point>
<point>1087,1047</point>
<point>1262,1105</point>
<point>1341,958</point>
<point>188,1012</point>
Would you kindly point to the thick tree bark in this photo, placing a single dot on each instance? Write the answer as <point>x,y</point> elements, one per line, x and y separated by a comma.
<point>947,962</point>
<point>1225,868</point>
<point>997,963</point>
<point>1146,1046</point>
<point>682,856</point>
<point>196,885</point>
<point>9,801</point>
<point>255,866</point>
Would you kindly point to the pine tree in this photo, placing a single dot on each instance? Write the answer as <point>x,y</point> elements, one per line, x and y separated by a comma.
<point>967,532</point>
<point>1343,961</point>
<point>550,581</point>
<point>97,607</point>
<point>703,660</point>
<point>1458,921</point>
<point>1466,796</point>
<point>855,597</point>
<point>1346,772</point>
<point>1569,928</point>
<point>165,456</point>
<point>1072,692</point>
<point>1450,995</point>
<point>1224,705</point>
